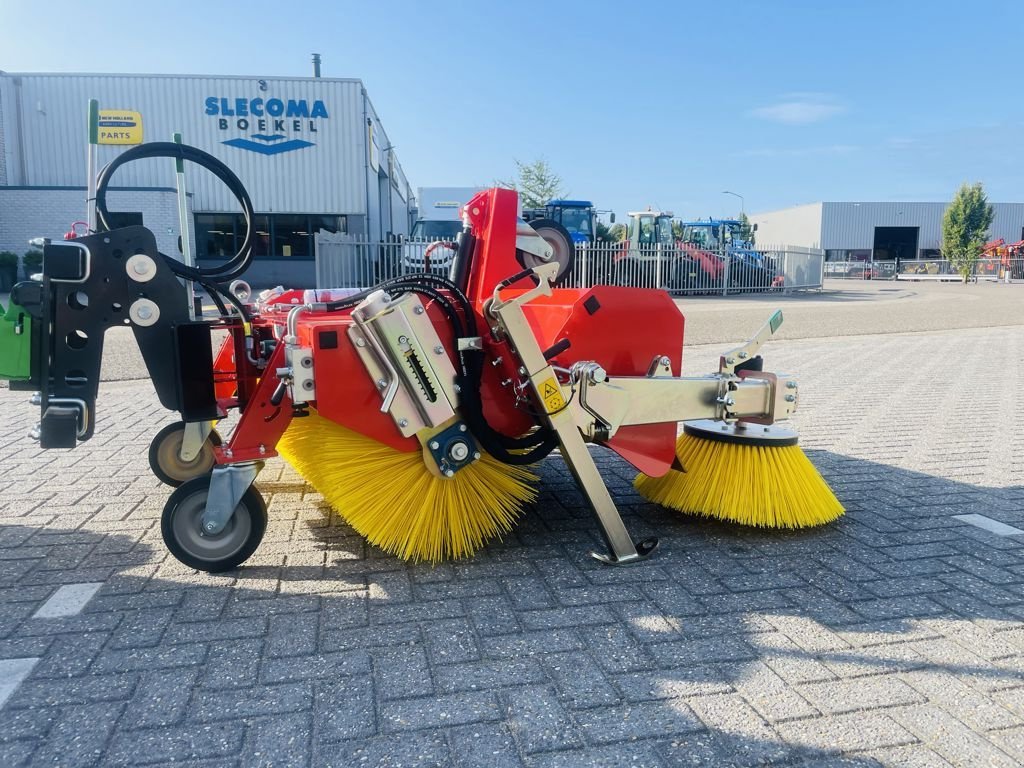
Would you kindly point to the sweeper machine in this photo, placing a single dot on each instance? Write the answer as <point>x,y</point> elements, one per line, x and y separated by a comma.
<point>415,407</point>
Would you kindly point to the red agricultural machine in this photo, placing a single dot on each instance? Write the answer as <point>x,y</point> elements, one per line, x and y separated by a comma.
<point>415,407</point>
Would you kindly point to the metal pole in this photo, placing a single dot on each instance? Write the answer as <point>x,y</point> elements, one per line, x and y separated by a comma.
<point>90,163</point>
<point>183,228</point>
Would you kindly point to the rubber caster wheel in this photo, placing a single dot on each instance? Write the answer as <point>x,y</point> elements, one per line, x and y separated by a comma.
<point>165,456</point>
<point>181,526</point>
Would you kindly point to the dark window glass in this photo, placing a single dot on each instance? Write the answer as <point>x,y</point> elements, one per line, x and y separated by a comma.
<point>261,235</point>
<point>291,236</point>
<point>332,224</point>
<point>118,219</point>
<point>215,235</point>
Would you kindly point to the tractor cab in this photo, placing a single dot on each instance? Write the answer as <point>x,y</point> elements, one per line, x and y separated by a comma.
<point>577,216</point>
<point>650,228</point>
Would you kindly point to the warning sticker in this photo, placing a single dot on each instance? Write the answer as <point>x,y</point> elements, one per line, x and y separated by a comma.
<point>551,394</point>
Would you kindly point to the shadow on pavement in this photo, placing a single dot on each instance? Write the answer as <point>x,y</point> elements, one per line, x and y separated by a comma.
<point>730,647</point>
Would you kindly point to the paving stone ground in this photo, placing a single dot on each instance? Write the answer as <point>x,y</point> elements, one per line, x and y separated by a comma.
<point>894,637</point>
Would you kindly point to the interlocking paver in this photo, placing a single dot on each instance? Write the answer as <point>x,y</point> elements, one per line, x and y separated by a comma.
<point>894,637</point>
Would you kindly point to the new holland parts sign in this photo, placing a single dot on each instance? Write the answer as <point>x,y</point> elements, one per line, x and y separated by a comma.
<point>268,126</point>
<point>118,126</point>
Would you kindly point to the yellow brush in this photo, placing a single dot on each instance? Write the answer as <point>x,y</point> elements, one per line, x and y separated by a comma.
<point>393,500</point>
<point>753,476</point>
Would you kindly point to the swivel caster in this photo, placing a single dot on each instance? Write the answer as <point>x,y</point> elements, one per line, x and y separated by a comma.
<point>186,538</point>
<point>165,455</point>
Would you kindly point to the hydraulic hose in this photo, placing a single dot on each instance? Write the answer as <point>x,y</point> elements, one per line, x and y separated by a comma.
<point>234,266</point>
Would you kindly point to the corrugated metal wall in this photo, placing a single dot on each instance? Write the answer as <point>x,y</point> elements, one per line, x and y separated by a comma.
<point>325,178</point>
<point>852,225</point>
<point>800,226</point>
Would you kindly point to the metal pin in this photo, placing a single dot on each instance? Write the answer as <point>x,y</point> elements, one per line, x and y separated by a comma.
<point>360,342</point>
<point>434,445</point>
<point>403,423</point>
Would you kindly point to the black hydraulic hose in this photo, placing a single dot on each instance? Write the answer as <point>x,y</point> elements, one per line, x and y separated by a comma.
<point>463,258</point>
<point>234,266</point>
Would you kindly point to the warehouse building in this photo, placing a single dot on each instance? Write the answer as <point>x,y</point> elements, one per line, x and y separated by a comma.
<point>874,231</point>
<point>311,151</point>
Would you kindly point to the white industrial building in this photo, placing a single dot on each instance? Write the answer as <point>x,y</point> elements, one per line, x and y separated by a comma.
<point>311,152</point>
<point>874,231</point>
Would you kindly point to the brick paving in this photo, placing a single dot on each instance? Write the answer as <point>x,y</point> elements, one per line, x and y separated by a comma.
<point>893,637</point>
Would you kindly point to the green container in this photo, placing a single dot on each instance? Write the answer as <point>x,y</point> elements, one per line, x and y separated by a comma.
<point>15,344</point>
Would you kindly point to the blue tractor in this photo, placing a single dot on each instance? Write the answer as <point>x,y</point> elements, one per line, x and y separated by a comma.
<point>577,216</point>
<point>749,267</point>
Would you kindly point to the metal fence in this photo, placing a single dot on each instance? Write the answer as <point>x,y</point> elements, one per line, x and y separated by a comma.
<point>352,262</point>
<point>991,270</point>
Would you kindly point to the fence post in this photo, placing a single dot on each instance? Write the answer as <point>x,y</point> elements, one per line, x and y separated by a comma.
<point>725,273</point>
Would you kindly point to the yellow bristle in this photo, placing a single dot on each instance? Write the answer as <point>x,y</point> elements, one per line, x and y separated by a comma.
<point>393,500</point>
<point>767,487</point>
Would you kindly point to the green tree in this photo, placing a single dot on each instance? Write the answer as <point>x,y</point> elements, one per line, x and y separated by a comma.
<point>746,228</point>
<point>965,227</point>
<point>536,183</point>
<point>616,233</point>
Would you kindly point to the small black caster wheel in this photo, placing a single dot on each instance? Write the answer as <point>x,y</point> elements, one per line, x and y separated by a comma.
<point>181,526</point>
<point>165,456</point>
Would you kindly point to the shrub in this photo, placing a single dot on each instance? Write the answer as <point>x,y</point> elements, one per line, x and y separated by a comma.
<point>32,263</point>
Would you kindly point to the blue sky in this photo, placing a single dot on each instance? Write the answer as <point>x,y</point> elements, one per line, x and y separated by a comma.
<point>634,104</point>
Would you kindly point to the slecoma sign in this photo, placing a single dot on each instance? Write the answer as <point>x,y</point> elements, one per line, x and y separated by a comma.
<point>271,119</point>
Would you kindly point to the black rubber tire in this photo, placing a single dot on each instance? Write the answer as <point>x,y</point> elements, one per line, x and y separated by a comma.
<point>168,466</point>
<point>180,526</point>
<point>559,238</point>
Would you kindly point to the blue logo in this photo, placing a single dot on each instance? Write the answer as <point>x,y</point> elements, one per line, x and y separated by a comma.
<point>273,118</point>
<point>270,148</point>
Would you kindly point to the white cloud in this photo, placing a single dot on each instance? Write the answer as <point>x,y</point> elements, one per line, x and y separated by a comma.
<point>800,109</point>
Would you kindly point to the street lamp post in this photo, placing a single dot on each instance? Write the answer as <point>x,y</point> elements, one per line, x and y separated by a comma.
<point>743,209</point>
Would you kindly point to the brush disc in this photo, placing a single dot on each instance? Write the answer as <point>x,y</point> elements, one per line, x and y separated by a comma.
<point>752,477</point>
<point>392,499</point>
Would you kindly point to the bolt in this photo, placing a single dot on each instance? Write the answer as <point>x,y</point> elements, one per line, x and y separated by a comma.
<point>456,388</point>
<point>459,451</point>
<point>141,267</point>
<point>744,355</point>
<point>403,339</point>
<point>476,455</point>
<point>665,361</point>
<point>308,385</point>
<point>730,402</point>
<point>382,383</point>
<point>462,427</point>
<point>263,449</point>
<point>403,423</point>
<point>506,382</point>
<point>228,452</point>
<point>790,385</point>
<point>449,473</point>
<point>438,350</point>
<point>211,527</point>
<point>790,398</point>
<point>496,361</point>
<point>360,342</point>
<point>522,371</point>
<point>434,445</point>
<point>730,360</point>
<point>144,313</point>
<point>306,362</point>
<point>418,310</point>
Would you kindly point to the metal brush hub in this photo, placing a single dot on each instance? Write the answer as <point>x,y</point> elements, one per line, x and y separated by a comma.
<point>453,449</point>
<point>741,433</point>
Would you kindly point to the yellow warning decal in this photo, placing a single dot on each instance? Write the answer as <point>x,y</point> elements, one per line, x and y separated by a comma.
<point>551,394</point>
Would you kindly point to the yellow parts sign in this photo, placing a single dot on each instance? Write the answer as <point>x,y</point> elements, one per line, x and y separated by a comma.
<point>118,126</point>
<point>551,394</point>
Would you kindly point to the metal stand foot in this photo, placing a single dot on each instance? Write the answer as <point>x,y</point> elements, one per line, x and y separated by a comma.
<point>644,549</point>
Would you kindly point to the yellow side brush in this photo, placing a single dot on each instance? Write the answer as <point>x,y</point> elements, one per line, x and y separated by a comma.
<point>749,475</point>
<point>393,500</point>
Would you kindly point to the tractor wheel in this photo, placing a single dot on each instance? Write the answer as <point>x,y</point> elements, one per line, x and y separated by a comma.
<point>165,456</point>
<point>181,526</point>
<point>560,240</point>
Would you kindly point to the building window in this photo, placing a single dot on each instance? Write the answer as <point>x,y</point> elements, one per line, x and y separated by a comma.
<point>118,219</point>
<point>843,254</point>
<point>275,236</point>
